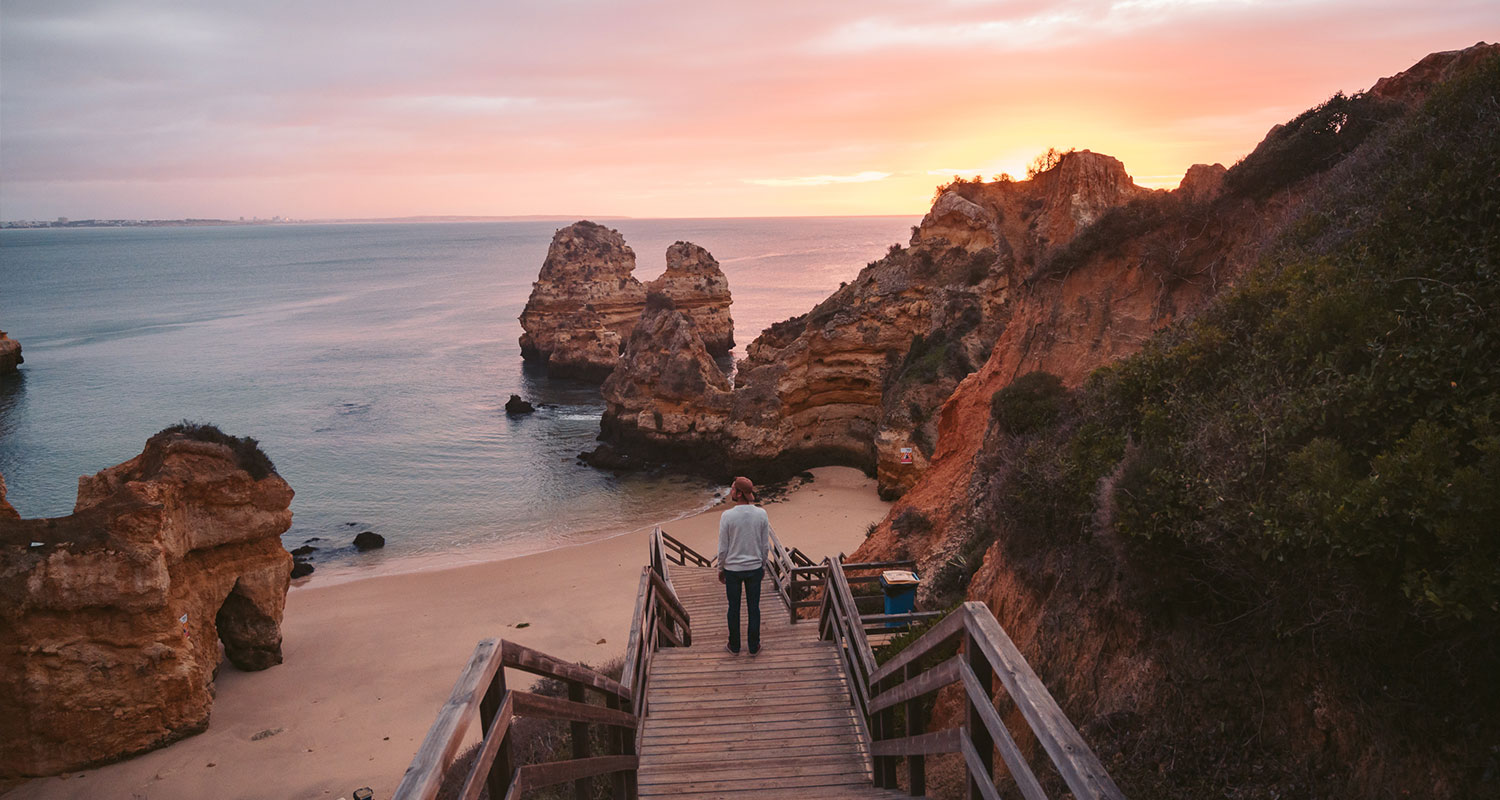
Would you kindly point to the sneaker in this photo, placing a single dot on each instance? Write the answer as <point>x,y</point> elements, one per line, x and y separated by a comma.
<point>754,650</point>
<point>731,650</point>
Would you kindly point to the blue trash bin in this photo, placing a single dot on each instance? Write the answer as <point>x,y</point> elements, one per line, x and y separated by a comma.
<point>900,589</point>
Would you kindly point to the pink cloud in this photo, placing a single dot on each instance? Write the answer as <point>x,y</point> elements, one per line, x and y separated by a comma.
<point>662,109</point>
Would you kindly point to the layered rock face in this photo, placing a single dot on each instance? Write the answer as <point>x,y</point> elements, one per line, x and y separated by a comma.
<point>583,304</point>
<point>586,300</point>
<point>7,511</point>
<point>1133,670</point>
<point>668,394</point>
<point>697,287</point>
<point>112,617</point>
<point>10,354</point>
<point>854,380</point>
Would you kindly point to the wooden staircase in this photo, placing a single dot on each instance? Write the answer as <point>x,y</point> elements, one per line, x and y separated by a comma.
<point>775,725</point>
<point>811,716</point>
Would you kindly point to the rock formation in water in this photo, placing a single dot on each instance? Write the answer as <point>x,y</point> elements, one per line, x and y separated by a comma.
<point>7,511</point>
<point>586,301</point>
<point>667,393</point>
<point>10,354</point>
<point>112,618</point>
<point>697,287</point>
<point>583,304</point>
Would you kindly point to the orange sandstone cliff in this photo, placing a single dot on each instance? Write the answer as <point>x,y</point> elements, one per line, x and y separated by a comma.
<point>10,354</point>
<point>1177,704</point>
<point>112,618</point>
<point>586,300</point>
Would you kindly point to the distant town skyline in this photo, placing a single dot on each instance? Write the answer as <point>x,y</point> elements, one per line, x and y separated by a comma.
<point>159,110</point>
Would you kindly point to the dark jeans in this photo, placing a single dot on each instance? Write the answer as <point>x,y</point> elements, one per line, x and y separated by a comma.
<point>751,581</point>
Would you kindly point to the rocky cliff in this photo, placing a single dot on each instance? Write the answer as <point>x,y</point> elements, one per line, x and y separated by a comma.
<point>667,388</point>
<point>583,304</point>
<point>586,300</point>
<point>10,354</point>
<point>697,287</point>
<point>1195,548</point>
<point>855,380</point>
<point>7,511</point>
<point>112,618</point>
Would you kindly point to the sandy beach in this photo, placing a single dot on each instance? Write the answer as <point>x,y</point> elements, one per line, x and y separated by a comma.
<point>368,662</point>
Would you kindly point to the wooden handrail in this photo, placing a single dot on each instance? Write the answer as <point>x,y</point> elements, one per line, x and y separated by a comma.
<point>664,546</point>
<point>782,575</point>
<point>481,691</point>
<point>988,653</point>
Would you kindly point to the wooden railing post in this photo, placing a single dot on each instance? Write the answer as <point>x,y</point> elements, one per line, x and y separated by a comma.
<point>916,724</point>
<point>885,767</point>
<point>979,733</point>
<point>580,735</point>
<point>878,733</point>
<point>498,780</point>
<point>621,743</point>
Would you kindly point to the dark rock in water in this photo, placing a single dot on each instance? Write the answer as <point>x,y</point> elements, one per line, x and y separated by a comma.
<point>301,569</point>
<point>304,550</point>
<point>605,456</point>
<point>369,540</point>
<point>314,539</point>
<point>516,406</point>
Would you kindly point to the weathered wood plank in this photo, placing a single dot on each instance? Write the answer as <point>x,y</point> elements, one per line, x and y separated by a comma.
<point>446,734</point>
<point>944,741</point>
<point>935,637</point>
<point>929,681</point>
<point>535,776</point>
<point>528,704</point>
<point>538,663</point>
<point>756,747</point>
<point>983,706</point>
<point>840,776</point>
<point>479,771</point>
<point>1079,767</point>
<point>669,598</point>
<point>631,675</point>
<point>978,771</point>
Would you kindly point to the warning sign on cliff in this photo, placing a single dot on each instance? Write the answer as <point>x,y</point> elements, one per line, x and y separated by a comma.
<point>906,456</point>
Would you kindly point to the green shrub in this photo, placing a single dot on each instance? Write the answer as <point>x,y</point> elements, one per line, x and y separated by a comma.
<point>247,452</point>
<point>911,522</point>
<point>1030,403</point>
<point>1312,142</point>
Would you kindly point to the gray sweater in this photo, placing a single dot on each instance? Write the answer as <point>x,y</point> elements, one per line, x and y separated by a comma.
<point>744,538</point>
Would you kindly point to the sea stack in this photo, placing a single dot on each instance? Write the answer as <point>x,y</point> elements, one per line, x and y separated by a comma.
<point>113,616</point>
<point>668,399</point>
<point>586,301</point>
<point>10,354</point>
<point>697,288</point>
<point>583,304</point>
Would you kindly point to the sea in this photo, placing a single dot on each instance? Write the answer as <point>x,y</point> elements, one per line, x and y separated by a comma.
<point>371,361</point>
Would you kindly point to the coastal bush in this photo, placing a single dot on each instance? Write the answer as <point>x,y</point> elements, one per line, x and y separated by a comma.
<point>657,301</point>
<point>1029,403</point>
<point>911,522</point>
<point>1300,484</point>
<point>1046,161</point>
<point>1310,143</point>
<point>247,452</point>
<point>1322,445</point>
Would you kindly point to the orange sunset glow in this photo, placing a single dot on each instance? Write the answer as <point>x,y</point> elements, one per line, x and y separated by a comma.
<point>660,109</point>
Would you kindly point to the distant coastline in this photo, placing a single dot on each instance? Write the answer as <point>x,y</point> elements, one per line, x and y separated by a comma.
<point>65,222</point>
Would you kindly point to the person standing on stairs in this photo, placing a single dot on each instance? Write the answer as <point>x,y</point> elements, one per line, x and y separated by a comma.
<point>744,538</point>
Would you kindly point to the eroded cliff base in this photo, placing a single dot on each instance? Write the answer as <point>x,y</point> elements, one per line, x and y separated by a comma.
<point>112,618</point>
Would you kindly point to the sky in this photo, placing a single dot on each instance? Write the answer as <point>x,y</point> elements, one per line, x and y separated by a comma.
<point>670,108</point>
